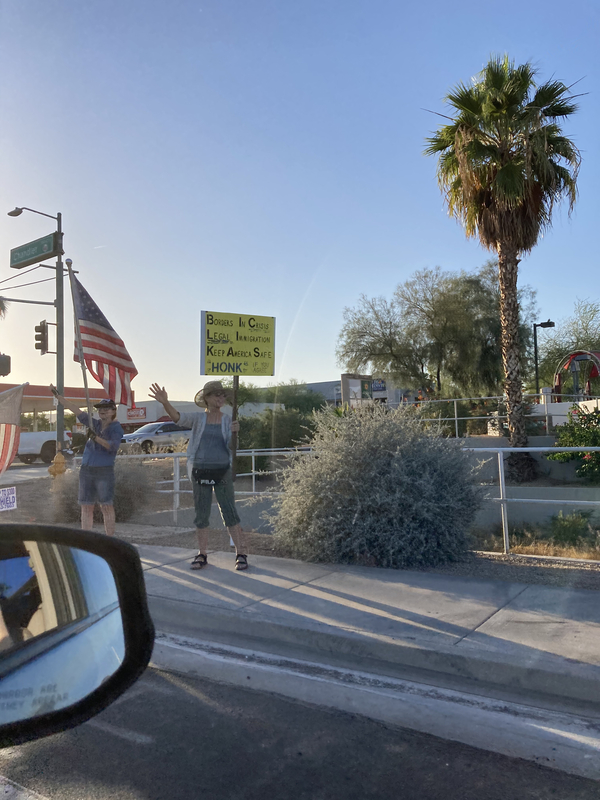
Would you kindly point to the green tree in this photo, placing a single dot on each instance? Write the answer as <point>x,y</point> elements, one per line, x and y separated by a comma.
<point>294,395</point>
<point>503,163</point>
<point>440,329</point>
<point>247,392</point>
<point>43,422</point>
<point>273,429</point>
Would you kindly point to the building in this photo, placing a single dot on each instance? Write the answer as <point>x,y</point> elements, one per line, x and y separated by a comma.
<point>383,391</point>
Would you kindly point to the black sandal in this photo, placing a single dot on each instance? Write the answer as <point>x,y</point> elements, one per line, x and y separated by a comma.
<point>241,561</point>
<point>199,561</point>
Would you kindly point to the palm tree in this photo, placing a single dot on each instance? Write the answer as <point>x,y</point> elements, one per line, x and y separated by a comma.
<point>503,163</point>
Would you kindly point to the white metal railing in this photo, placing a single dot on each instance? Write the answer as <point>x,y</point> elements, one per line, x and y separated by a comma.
<point>179,477</point>
<point>256,453</point>
<point>494,417</point>
<point>504,500</point>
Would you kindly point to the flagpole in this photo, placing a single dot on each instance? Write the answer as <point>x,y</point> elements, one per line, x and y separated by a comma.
<point>69,264</point>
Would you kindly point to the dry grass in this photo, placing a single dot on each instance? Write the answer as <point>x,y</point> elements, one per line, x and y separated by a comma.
<point>545,548</point>
<point>571,536</point>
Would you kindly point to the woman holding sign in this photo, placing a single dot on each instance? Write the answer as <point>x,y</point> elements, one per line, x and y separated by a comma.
<point>209,464</point>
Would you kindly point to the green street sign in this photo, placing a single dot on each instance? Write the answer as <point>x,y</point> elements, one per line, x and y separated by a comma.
<point>32,252</point>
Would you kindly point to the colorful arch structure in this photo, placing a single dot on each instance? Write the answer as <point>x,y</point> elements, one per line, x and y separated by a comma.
<point>571,362</point>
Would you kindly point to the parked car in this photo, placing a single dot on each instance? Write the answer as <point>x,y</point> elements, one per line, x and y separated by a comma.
<point>155,436</point>
<point>40,444</point>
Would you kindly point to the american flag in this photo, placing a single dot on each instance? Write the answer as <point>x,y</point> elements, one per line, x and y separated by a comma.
<point>10,425</point>
<point>104,353</point>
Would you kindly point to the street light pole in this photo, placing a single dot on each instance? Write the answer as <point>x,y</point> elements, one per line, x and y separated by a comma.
<point>60,336</point>
<point>59,304</point>
<point>536,325</point>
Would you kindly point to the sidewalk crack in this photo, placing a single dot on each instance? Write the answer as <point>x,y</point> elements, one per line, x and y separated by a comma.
<point>496,611</point>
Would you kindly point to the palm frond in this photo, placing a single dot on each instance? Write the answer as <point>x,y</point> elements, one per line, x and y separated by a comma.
<point>504,161</point>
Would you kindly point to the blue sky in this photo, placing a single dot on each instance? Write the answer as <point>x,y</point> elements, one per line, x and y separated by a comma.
<point>258,157</point>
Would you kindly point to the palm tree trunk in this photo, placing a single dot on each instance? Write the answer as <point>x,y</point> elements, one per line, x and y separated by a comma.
<point>508,263</point>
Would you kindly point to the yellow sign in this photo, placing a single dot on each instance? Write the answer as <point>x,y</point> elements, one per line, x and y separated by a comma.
<point>236,344</point>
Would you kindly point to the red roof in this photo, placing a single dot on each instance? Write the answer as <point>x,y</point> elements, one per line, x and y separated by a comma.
<point>70,392</point>
<point>40,399</point>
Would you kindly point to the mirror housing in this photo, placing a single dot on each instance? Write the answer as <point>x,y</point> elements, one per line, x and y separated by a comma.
<point>100,614</point>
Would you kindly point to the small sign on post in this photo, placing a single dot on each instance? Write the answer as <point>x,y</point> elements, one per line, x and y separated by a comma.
<point>8,498</point>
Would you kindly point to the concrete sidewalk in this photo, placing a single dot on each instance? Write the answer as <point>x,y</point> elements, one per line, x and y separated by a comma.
<point>505,639</point>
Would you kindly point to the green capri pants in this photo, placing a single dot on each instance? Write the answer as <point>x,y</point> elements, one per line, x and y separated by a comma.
<point>225,498</point>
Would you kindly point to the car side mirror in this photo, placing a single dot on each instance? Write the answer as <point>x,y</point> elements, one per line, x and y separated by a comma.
<point>75,630</point>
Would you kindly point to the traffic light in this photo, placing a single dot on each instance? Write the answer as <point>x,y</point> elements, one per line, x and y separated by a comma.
<point>4,366</point>
<point>41,337</point>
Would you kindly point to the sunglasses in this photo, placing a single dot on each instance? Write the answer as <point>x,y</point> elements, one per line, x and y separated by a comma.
<point>217,394</point>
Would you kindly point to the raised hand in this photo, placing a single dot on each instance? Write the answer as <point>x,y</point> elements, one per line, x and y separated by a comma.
<point>158,393</point>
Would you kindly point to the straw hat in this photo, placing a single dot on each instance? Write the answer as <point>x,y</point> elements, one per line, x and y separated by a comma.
<point>212,387</point>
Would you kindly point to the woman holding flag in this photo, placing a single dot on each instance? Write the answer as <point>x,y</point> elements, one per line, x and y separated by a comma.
<point>97,472</point>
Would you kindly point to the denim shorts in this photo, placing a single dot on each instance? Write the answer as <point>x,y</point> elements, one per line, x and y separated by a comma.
<point>225,498</point>
<point>96,485</point>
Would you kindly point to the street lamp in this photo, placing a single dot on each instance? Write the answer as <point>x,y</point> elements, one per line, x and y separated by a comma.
<point>536,325</point>
<point>59,304</point>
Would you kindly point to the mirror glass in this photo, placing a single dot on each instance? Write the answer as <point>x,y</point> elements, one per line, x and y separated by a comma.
<point>61,631</point>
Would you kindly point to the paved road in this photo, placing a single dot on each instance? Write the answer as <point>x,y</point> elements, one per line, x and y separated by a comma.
<point>178,737</point>
<point>17,473</point>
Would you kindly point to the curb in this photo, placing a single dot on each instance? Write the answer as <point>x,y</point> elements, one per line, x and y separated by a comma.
<point>559,678</point>
<point>563,741</point>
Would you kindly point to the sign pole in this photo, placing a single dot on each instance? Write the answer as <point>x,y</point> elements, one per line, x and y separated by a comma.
<point>234,438</point>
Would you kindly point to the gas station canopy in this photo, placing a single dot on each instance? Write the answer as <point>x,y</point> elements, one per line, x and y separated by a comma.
<point>40,398</point>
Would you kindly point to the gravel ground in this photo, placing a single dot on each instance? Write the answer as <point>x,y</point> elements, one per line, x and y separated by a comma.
<point>35,505</point>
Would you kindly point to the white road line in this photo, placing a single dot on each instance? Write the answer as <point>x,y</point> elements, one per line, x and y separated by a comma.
<point>122,733</point>
<point>9,790</point>
<point>140,689</point>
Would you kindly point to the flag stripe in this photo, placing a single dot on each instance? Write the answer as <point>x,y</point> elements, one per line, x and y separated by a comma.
<point>9,445</point>
<point>94,332</point>
<point>10,420</point>
<point>93,351</point>
<point>104,352</point>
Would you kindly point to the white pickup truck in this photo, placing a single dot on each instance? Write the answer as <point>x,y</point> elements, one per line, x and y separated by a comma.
<point>40,444</point>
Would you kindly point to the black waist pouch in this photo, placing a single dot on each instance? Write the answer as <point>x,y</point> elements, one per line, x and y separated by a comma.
<point>209,477</point>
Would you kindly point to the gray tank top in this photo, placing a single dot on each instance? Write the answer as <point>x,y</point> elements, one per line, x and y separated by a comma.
<point>212,452</point>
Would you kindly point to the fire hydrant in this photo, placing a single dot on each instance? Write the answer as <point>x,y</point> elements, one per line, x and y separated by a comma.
<point>58,466</point>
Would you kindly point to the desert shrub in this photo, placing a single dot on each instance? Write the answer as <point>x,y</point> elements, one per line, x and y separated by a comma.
<point>377,488</point>
<point>133,485</point>
<point>572,529</point>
